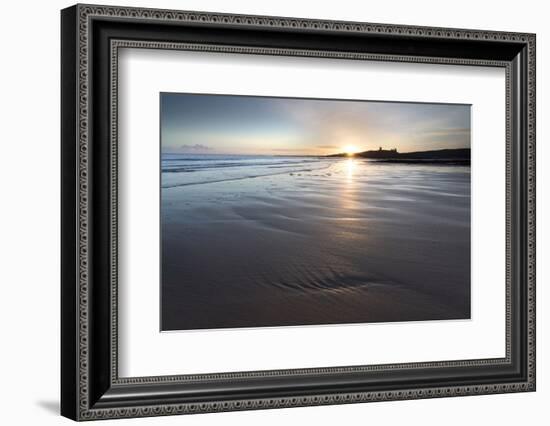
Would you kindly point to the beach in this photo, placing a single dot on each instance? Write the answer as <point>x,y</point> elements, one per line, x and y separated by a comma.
<point>253,241</point>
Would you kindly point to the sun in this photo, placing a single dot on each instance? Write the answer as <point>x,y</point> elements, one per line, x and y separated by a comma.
<point>350,149</point>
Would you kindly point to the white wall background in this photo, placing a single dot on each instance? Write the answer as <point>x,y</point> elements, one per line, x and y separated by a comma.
<point>29,212</point>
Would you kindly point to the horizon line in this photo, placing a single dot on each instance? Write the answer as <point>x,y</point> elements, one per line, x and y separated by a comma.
<point>310,155</point>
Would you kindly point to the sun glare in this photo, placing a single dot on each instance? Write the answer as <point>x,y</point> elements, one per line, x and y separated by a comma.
<point>350,149</point>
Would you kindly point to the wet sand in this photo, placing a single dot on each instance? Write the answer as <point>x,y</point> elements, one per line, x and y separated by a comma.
<point>334,241</point>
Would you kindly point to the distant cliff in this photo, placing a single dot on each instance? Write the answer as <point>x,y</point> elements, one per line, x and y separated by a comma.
<point>454,156</point>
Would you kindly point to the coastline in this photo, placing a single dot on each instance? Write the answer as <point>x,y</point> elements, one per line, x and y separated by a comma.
<point>317,247</point>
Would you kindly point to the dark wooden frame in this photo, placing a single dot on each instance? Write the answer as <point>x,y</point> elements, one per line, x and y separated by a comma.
<point>91,37</point>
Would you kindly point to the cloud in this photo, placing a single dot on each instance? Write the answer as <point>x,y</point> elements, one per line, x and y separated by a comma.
<point>328,146</point>
<point>448,131</point>
<point>193,148</point>
<point>286,149</point>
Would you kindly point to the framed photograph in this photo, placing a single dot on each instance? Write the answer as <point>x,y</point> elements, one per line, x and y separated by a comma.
<point>263,212</point>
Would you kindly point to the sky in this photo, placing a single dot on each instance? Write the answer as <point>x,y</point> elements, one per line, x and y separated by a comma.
<point>253,125</point>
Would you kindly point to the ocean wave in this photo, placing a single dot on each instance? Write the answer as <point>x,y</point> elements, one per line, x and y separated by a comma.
<point>167,168</point>
<point>233,178</point>
<point>186,171</point>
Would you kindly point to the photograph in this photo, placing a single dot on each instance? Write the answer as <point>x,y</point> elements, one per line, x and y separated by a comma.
<point>279,211</point>
<point>263,209</point>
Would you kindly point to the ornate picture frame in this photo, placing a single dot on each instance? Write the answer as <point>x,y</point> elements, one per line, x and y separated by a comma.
<point>91,37</point>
